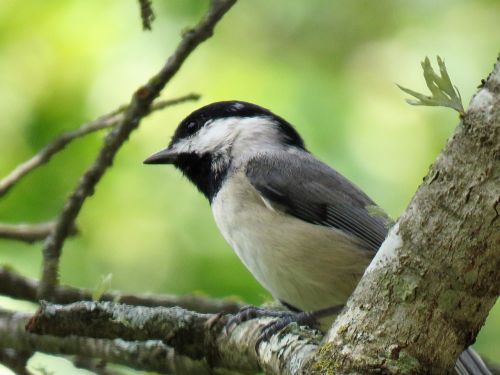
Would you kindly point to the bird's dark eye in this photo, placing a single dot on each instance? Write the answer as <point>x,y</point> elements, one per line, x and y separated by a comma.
<point>191,126</point>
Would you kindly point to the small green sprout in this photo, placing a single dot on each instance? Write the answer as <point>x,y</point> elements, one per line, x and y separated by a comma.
<point>444,93</point>
<point>103,286</point>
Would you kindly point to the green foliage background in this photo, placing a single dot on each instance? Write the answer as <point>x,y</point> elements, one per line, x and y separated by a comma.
<point>329,67</point>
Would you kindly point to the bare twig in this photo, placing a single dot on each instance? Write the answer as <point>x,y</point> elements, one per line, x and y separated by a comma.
<point>151,355</point>
<point>28,232</point>
<point>147,14</point>
<point>106,121</point>
<point>137,109</point>
<point>16,286</point>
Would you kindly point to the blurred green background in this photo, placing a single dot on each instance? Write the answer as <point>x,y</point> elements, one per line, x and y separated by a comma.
<point>329,67</point>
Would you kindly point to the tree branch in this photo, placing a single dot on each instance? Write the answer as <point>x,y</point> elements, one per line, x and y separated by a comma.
<point>400,319</point>
<point>137,109</point>
<point>58,144</point>
<point>201,337</point>
<point>16,286</point>
<point>148,356</point>
<point>147,14</point>
<point>28,232</point>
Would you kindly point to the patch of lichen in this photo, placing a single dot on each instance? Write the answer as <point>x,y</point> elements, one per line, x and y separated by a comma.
<point>404,364</point>
<point>327,361</point>
<point>323,362</point>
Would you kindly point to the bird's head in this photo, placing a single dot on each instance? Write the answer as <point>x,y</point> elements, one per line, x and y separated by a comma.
<point>220,135</point>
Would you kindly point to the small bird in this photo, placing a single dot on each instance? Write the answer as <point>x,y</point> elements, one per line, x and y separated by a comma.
<point>304,231</point>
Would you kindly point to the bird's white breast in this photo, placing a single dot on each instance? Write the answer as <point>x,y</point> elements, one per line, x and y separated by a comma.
<point>305,265</point>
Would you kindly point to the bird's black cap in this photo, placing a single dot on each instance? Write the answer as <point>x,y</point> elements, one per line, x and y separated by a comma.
<point>233,108</point>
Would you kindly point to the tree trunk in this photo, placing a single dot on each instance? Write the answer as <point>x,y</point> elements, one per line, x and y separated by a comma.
<point>430,287</point>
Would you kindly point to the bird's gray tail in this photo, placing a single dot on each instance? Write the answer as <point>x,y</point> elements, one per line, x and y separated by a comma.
<point>470,363</point>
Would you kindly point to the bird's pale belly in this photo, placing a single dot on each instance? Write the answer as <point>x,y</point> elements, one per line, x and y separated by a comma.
<point>305,265</point>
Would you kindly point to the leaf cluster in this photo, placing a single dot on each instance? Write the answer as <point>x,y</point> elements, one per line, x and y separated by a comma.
<point>444,93</point>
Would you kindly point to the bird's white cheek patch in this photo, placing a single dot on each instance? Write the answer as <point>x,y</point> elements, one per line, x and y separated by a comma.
<point>220,135</point>
<point>182,146</point>
<point>215,136</point>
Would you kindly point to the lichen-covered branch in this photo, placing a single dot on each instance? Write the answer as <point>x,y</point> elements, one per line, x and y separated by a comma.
<point>58,144</point>
<point>199,338</point>
<point>28,232</point>
<point>152,355</point>
<point>428,291</point>
<point>16,286</point>
<point>138,108</point>
<point>108,320</point>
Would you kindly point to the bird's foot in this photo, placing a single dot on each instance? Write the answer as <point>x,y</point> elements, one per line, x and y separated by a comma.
<point>251,312</point>
<point>307,318</point>
<point>303,318</point>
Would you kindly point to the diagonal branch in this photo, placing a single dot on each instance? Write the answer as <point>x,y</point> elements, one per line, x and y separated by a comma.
<point>138,108</point>
<point>28,232</point>
<point>147,14</point>
<point>16,286</point>
<point>58,144</point>
<point>429,289</point>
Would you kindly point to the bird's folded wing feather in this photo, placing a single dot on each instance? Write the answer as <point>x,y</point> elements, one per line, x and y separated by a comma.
<point>308,189</point>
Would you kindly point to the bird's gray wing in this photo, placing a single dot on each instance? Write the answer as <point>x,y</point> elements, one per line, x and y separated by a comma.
<point>308,189</point>
<point>470,363</point>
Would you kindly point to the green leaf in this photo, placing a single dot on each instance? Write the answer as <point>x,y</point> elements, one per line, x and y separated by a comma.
<point>444,93</point>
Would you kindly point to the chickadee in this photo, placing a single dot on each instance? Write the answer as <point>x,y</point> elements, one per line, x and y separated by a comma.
<point>303,230</point>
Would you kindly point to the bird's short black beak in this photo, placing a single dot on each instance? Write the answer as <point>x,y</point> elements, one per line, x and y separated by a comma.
<point>167,156</point>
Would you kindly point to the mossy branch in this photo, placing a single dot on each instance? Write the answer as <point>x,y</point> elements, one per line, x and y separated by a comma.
<point>444,93</point>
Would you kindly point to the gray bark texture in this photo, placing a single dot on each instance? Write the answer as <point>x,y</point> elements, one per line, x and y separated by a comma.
<point>428,292</point>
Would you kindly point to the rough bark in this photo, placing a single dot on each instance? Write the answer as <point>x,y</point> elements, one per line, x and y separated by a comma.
<point>428,292</point>
<point>167,339</point>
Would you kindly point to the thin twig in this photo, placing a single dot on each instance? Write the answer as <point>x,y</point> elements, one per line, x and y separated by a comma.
<point>139,106</point>
<point>106,121</point>
<point>147,13</point>
<point>16,286</point>
<point>28,232</point>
